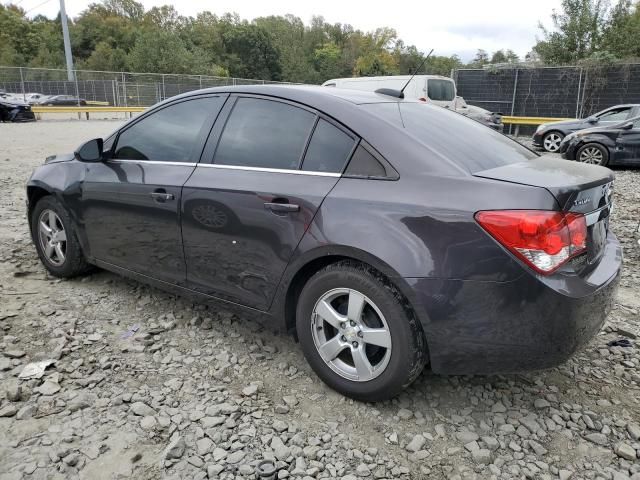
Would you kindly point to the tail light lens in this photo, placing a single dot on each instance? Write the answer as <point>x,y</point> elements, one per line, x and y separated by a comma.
<point>544,240</point>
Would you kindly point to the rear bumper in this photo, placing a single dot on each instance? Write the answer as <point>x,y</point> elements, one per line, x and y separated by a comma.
<point>530,323</point>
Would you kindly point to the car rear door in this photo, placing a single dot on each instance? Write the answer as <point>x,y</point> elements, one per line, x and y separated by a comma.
<point>266,169</point>
<point>131,202</point>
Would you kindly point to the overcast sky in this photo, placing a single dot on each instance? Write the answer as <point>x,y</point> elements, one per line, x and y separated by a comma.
<point>458,26</point>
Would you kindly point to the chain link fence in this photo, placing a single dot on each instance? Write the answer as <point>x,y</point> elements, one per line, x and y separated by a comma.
<point>114,88</point>
<point>550,91</point>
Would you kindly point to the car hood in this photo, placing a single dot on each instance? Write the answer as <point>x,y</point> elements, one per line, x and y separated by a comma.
<point>564,123</point>
<point>13,103</point>
<point>603,128</point>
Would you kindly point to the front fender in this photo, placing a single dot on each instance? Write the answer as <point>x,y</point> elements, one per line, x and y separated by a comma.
<point>63,180</point>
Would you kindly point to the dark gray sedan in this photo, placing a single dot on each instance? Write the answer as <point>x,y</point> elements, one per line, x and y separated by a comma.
<point>548,136</point>
<point>384,233</point>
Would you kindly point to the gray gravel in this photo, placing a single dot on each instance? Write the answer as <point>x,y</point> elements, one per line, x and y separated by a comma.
<point>200,393</point>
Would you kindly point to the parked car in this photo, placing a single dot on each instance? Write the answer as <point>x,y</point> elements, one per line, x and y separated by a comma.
<point>549,135</point>
<point>34,98</point>
<point>385,233</point>
<point>607,145</point>
<point>62,100</point>
<point>490,119</point>
<point>12,110</point>
<point>435,89</point>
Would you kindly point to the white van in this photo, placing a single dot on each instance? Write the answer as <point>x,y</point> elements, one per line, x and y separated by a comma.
<point>432,88</point>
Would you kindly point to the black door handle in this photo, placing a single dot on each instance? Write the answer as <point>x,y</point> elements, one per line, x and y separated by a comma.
<point>161,195</point>
<point>281,207</point>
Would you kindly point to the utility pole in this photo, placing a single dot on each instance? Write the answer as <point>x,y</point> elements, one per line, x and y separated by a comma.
<point>67,42</point>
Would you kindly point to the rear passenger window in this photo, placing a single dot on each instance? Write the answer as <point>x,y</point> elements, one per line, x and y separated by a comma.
<point>170,134</point>
<point>328,150</point>
<point>264,134</point>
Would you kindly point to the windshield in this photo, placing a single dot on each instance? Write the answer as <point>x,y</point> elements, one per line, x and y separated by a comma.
<point>463,141</point>
<point>441,90</point>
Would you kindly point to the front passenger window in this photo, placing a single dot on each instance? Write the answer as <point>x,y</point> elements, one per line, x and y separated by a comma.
<point>170,134</point>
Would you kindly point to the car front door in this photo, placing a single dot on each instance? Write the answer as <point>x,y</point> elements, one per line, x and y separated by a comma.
<point>131,201</point>
<point>266,169</point>
<point>628,144</point>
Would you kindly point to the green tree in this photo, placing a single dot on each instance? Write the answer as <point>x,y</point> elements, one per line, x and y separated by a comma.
<point>505,56</point>
<point>621,36</point>
<point>250,53</point>
<point>105,57</point>
<point>327,61</point>
<point>160,51</point>
<point>577,31</point>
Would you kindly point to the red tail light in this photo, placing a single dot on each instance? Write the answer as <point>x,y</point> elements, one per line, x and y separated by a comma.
<point>544,240</point>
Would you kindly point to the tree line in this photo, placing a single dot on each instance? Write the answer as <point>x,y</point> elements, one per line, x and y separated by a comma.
<point>120,35</point>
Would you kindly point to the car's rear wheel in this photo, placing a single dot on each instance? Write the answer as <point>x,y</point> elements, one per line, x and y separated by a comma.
<point>56,240</point>
<point>551,141</point>
<point>357,333</point>
<point>594,154</point>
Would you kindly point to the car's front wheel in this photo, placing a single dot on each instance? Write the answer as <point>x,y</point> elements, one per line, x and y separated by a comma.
<point>594,154</point>
<point>55,238</point>
<point>357,333</point>
<point>551,141</point>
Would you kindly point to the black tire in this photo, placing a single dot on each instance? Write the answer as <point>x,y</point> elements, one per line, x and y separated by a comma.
<point>74,263</point>
<point>556,135</point>
<point>408,354</point>
<point>590,146</point>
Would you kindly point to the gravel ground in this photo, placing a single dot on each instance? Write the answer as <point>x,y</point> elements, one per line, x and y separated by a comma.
<point>201,393</point>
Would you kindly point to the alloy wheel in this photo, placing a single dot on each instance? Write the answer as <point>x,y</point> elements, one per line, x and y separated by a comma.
<point>552,142</point>
<point>351,335</point>
<point>592,155</point>
<point>53,238</point>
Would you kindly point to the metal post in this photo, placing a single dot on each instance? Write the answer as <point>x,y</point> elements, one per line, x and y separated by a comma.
<point>578,98</point>
<point>200,80</point>
<point>75,79</point>
<point>584,90</point>
<point>164,94</point>
<point>124,90</point>
<point>67,42</point>
<point>513,101</point>
<point>24,96</point>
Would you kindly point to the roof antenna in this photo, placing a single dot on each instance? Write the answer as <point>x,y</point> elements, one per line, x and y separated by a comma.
<point>400,93</point>
<point>416,71</point>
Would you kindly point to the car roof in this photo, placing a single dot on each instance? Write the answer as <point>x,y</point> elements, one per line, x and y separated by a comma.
<point>306,94</point>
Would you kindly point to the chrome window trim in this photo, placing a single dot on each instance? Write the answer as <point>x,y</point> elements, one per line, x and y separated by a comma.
<point>152,162</point>
<point>270,170</point>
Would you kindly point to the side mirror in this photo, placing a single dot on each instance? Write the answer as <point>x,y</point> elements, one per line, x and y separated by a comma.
<point>90,151</point>
<point>627,126</point>
<point>593,119</point>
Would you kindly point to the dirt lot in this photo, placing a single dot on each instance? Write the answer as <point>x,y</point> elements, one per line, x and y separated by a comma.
<point>200,393</point>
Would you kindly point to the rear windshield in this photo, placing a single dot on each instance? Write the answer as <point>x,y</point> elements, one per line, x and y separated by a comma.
<point>461,140</point>
<point>440,90</point>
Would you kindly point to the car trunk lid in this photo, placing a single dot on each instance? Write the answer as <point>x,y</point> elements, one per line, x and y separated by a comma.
<point>579,188</point>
